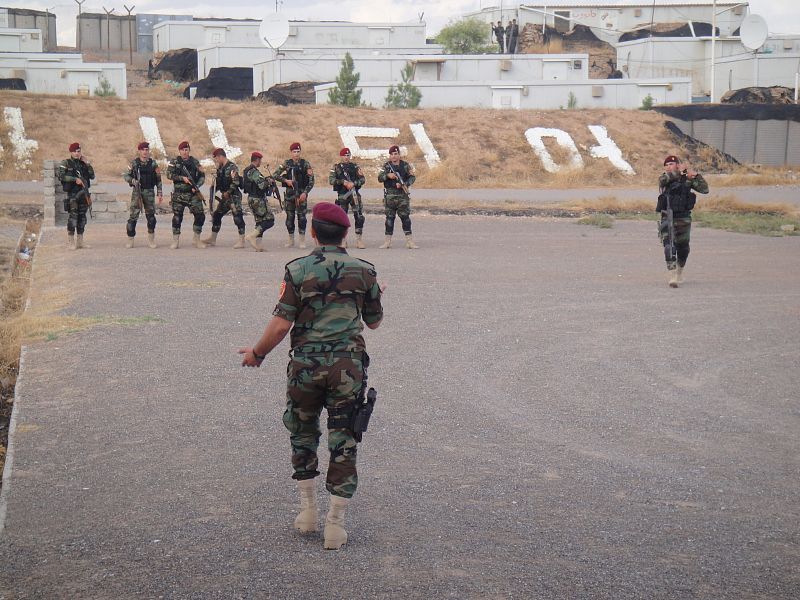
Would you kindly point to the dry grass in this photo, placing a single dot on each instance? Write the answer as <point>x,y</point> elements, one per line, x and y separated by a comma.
<point>758,176</point>
<point>732,205</point>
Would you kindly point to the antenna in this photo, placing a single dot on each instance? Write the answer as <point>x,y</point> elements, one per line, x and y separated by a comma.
<point>753,31</point>
<point>274,30</point>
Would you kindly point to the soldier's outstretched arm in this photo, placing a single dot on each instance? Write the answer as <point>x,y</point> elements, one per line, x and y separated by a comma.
<point>276,330</point>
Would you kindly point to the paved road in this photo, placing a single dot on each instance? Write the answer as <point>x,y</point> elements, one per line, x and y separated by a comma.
<point>770,193</point>
<point>553,422</point>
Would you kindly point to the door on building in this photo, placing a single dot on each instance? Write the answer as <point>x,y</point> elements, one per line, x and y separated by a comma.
<point>506,97</point>
<point>555,70</point>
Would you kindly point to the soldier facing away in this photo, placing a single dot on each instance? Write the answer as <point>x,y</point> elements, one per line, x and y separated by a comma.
<point>676,194</point>
<point>258,190</point>
<point>185,172</point>
<point>397,176</point>
<point>143,175</point>
<point>297,177</point>
<point>329,363</point>
<point>347,178</point>
<point>76,174</point>
<point>227,184</point>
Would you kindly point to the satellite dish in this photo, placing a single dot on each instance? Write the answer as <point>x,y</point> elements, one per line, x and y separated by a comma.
<point>274,30</point>
<point>753,31</point>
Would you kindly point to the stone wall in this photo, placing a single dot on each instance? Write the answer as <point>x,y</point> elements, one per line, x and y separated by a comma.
<point>106,207</point>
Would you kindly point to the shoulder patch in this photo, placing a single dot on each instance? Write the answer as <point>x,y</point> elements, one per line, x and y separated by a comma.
<point>366,262</point>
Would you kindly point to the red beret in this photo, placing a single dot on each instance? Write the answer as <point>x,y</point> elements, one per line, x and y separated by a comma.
<point>295,146</point>
<point>143,146</point>
<point>670,159</point>
<point>330,213</point>
<point>183,145</point>
<point>74,147</point>
<point>344,152</point>
<point>256,155</point>
<point>218,152</point>
<point>394,149</point>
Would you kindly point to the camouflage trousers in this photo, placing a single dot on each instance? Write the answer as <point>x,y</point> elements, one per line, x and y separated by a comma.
<point>149,202</point>
<point>223,207</point>
<point>683,230</point>
<point>315,381</point>
<point>397,205</point>
<point>180,202</point>
<point>261,213</point>
<point>78,207</point>
<point>358,211</point>
<point>293,207</point>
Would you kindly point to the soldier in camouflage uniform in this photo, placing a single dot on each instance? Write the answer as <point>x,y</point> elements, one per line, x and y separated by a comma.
<point>145,174</point>
<point>397,176</point>
<point>185,172</point>
<point>324,297</point>
<point>226,183</point>
<point>258,190</point>
<point>76,174</point>
<point>676,192</point>
<point>297,177</point>
<point>347,178</point>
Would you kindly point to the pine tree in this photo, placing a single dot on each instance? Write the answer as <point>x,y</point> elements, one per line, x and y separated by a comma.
<point>345,92</point>
<point>405,95</point>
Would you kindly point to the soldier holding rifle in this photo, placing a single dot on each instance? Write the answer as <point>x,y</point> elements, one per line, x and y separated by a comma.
<point>676,200</point>
<point>143,175</point>
<point>297,177</point>
<point>76,174</point>
<point>185,172</point>
<point>259,189</point>
<point>397,176</point>
<point>227,184</point>
<point>347,178</point>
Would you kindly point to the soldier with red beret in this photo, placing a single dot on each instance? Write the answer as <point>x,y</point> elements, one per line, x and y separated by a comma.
<point>143,175</point>
<point>185,172</point>
<point>328,368</point>
<point>347,178</point>
<point>297,177</point>
<point>76,174</point>
<point>397,176</point>
<point>258,188</point>
<point>226,183</point>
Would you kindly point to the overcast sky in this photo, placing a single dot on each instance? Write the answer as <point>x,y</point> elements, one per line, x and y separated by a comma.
<point>782,16</point>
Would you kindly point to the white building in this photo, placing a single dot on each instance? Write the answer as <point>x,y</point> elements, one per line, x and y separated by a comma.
<point>62,73</point>
<point>21,40</point>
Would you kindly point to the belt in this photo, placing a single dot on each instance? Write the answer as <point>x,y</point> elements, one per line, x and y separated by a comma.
<point>336,354</point>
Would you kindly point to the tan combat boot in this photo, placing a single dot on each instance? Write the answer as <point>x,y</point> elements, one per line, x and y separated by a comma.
<point>129,242</point>
<point>387,243</point>
<point>306,521</point>
<point>302,240</point>
<point>71,241</point>
<point>240,243</point>
<point>211,240</point>
<point>360,242</point>
<point>673,278</point>
<point>176,238</point>
<point>290,241</point>
<point>253,239</point>
<point>680,274</point>
<point>151,240</point>
<point>410,242</point>
<point>335,534</point>
<point>79,243</point>
<point>197,243</point>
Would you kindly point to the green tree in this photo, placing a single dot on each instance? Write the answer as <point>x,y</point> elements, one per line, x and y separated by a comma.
<point>467,36</point>
<point>647,103</point>
<point>345,92</point>
<point>105,89</point>
<point>405,95</point>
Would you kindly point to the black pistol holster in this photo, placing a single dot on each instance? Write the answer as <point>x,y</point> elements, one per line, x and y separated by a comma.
<point>354,417</point>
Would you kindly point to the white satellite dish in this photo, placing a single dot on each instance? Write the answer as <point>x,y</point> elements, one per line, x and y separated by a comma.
<point>753,32</point>
<point>274,30</point>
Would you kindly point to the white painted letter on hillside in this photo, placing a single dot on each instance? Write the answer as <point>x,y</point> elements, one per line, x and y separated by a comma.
<point>350,135</point>
<point>22,147</point>
<point>218,138</point>
<point>425,144</point>
<point>152,136</point>
<point>608,149</point>
<point>534,136</point>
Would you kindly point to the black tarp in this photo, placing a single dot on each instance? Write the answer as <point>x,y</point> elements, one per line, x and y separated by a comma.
<point>177,65</point>
<point>227,83</point>
<point>732,112</point>
<point>700,30</point>
<point>13,83</point>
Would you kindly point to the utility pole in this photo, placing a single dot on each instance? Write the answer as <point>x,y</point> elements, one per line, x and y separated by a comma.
<point>130,31</point>
<point>713,50</point>
<point>108,31</point>
<point>79,2</point>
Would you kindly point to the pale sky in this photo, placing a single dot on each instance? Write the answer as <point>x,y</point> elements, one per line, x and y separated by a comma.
<point>782,16</point>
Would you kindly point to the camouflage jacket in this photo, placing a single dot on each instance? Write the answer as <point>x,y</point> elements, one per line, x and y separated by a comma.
<point>342,172</point>
<point>326,295</point>
<point>70,169</point>
<point>404,169</point>
<point>676,190</point>
<point>175,173</point>
<point>302,171</point>
<point>148,173</point>
<point>254,182</point>
<point>228,180</point>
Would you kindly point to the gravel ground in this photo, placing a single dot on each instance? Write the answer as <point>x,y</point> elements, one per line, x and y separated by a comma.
<point>553,422</point>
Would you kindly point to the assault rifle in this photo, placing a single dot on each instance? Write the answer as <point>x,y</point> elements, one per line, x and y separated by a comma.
<point>193,183</point>
<point>403,184</point>
<point>670,250</point>
<point>84,191</point>
<point>211,195</point>
<point>137,187</point>
<point>273,189</point>
<point>353,191</point>
<point>294,185</point>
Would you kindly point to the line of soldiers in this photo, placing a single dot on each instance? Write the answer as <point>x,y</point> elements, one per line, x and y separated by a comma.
<point>295,175</point>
